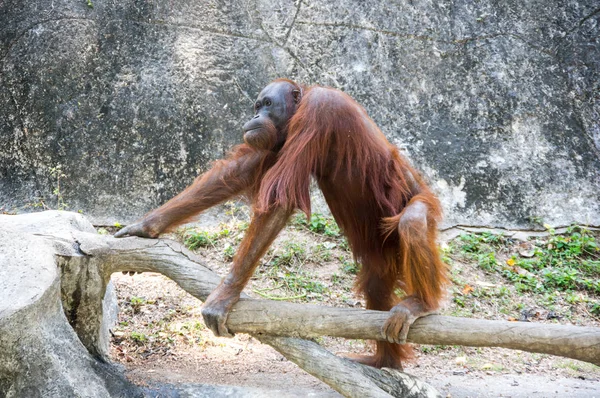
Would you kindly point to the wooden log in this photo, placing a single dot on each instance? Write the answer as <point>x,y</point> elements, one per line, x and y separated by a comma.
<point>308,321</point>
<point>176,262</point>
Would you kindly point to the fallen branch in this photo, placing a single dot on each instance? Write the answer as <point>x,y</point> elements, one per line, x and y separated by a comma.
<point>176,262</point>
<point>309,321</point>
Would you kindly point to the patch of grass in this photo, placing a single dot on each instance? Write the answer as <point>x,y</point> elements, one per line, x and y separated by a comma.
<point>300,282</point>
<point>566,262</point>
<point>199,239</point>
<point>563,262</point>
<point>576,366</point>
<point>290,253</point>
<point>481,247</point>
<point>318,223</point>
<point>196,239</point>
<point>594,308</point>
<point>292,284</point>
<point>432,349</point>
<point>139,338</point>
<point>228,252</point>
<point>480,242</point>
<point>350,267</point>
<point>137,303</point>
<point>322,251</point>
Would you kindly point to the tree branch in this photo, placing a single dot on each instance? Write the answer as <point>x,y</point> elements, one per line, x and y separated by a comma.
<point>308,321</point>
<point>187,270</point>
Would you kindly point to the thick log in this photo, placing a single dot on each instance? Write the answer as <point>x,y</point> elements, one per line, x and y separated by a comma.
<point>350,378</point>
<point>309,321</point>
<point>176,262</point>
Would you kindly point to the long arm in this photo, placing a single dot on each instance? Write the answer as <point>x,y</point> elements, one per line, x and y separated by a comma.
<point>227,178</point>
<point>263,229</point>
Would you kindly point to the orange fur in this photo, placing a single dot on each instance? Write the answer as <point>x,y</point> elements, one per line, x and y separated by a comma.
<point>379,201</point>
<point>238,174</point>
<point>367,185</point>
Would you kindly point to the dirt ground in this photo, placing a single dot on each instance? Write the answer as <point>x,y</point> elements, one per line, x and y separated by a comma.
<point>160,337</point>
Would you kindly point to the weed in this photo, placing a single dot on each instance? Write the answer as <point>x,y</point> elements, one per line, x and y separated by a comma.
<point>318,224</point>
<point>344,245</point>
<point>481,242</point>
<point>294,284</point>
<point>57,173</point>
<point>350,267</point>
<point>139,338</point>
<point>594,308</point>
<point>137,303</point>
<point>563,262</point>
<point>487,261</point>
<point>459,300</point>
<point>290,253</point>
<point>199,239</point>
<point>322,251</point>
<point>228,252</point>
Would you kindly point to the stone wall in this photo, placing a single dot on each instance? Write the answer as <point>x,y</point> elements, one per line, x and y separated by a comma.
<point>115,106</point>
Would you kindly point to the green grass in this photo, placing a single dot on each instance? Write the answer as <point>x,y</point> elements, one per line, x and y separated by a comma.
<point>197,239</point>
<point>566,262</point>
<point>318,223</point>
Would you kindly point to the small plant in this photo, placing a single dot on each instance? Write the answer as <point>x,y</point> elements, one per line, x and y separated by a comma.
<point>480,242</point>
<point>139,338</point>
<point>594,308</point>
<point>318,224</point>
<point>295,284</point>
<point>487,261</point>
<point>350,267</point>
<point>344,245</point>
<point>322,251</point>
<point>57,173</point>
<point>336,279</point>
<point>137,303</point>
<point>323,225</point>
<point>299,282</point>
<point>228,252</point>
<point>459,300</point>
<point>196,240</point>
<point>290,253</point>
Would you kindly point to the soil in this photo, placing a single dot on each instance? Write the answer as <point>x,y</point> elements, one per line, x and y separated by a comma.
<point>160,337</point>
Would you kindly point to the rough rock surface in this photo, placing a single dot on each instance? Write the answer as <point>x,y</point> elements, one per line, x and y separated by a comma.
<point>40,353</point>
<point>114,106</point>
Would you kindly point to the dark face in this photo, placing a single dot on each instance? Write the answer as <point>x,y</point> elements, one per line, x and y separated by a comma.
<point>273,109</point>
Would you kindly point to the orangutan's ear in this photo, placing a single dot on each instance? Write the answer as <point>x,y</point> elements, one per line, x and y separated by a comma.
<point>297,94</point>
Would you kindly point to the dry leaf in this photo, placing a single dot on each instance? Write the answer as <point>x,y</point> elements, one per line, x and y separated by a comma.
<point>467,289</point>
